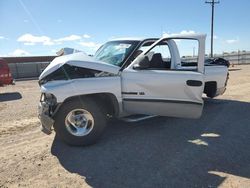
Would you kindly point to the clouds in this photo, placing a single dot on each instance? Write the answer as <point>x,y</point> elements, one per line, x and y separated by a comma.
<point>19,52</point>
<point>29,39</point>
<point>220,40</point>
<point>90,44</point>
<point>3,38</point>
<point>39,42</point>
<point>232,41</point>
<point>189,32</point>
<point>68,38</point>
<point>86,36</point>
<point>183,32</point>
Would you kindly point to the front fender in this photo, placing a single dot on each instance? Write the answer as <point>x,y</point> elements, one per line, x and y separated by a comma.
<point>63,89</point>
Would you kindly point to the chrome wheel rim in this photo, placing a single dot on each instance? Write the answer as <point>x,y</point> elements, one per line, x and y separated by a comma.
<point>79,122</point>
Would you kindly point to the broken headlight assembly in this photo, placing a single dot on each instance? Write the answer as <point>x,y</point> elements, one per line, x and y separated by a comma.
<point>48,98</point>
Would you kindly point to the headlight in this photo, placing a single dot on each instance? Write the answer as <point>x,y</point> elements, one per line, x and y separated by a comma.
<point>42,97</point>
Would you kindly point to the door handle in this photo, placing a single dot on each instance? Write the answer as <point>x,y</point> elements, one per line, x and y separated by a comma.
<point>195,83</point>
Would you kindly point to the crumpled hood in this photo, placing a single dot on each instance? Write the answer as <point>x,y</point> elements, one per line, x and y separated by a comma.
<point>80,60</point>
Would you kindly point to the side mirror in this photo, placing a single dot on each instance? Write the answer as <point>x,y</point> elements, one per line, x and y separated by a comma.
<point>142,63</point>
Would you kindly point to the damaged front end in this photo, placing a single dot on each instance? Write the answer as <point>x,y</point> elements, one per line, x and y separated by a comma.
<point>48,105</point>
<point>63,78</point>
<point>46,110</point>
<point>69,72</point>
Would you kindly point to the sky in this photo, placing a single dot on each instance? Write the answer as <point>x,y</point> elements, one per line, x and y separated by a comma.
<point>42,27</point>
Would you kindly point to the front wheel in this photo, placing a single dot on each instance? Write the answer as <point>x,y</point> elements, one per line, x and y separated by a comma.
<point>80,122</point>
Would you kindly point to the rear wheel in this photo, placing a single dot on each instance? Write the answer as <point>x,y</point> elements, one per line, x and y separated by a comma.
<point>80,122</point>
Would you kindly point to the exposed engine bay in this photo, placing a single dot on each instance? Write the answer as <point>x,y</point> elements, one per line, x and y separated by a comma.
<point>67,72</point>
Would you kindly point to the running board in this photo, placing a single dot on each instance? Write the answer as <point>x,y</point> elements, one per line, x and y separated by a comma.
<point>136,118</point>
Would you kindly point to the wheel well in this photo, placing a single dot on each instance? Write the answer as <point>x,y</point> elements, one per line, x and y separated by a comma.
<point>107,101</point>
<point>210,88</point>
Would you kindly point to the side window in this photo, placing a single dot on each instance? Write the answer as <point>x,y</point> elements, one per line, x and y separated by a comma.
<point>188,50</point>
<point>163,50</point>
<point>159,56</point>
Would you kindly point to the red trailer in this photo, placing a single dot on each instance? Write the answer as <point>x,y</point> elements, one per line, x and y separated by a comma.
<point>5,74</point>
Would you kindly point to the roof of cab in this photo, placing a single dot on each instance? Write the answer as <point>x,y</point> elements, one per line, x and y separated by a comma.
<point>128,39</point>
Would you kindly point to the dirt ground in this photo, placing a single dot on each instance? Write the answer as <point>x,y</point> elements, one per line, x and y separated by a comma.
<point>212,151</point>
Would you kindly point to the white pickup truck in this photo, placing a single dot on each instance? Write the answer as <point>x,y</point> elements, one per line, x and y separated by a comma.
<point>124,78</point>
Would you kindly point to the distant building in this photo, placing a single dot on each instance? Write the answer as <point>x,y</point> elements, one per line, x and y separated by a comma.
<point>27,67</point>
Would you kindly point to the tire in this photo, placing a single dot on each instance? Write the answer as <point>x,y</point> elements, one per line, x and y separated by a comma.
<point>85,108</point>
<point>211,94</point>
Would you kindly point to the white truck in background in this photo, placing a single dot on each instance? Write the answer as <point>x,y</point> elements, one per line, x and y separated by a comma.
<point>125,77</point>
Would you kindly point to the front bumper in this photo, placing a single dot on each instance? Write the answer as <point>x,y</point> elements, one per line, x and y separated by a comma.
<point>46,121</point>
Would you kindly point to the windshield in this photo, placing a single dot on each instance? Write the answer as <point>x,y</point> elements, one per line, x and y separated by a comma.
<point>115,52</point>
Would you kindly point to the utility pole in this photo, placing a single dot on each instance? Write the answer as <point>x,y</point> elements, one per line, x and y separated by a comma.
<point>212,2</point>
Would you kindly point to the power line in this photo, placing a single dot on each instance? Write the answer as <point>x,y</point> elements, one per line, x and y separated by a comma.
<point>212,2</point>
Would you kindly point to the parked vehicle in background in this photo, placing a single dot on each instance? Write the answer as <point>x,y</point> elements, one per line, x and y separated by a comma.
<point>5,74</point>
<point>217,61</point>
<point>126,77</point>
